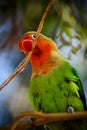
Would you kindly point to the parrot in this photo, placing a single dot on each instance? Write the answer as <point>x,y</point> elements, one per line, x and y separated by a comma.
<point>55,85</point>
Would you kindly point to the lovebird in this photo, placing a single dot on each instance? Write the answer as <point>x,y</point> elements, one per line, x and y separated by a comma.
<point>54,85</point>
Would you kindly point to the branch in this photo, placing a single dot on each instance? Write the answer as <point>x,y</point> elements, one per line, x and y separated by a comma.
<point>18,71</point>
<point>42,118</point>
<point>24,64</point>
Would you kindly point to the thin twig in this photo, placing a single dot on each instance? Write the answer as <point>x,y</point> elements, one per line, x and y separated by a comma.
<point>43,18</point>
<point>22,67</point>
<point>18,71</point>
<point>42,118</point>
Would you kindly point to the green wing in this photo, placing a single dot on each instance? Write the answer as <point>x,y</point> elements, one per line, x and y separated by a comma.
<point>75,78</point>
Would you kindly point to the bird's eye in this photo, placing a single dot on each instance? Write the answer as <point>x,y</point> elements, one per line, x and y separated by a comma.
<point>33,36</point>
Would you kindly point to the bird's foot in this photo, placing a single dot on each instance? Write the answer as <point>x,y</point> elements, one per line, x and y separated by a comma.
<point>31,121</point>
<point>70,109</point>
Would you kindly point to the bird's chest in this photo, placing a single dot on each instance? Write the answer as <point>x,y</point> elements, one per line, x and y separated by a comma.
<point>46,95</point>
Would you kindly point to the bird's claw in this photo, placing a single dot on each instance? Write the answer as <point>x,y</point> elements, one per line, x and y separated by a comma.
<point>70,109</point>
<point>31,121</point>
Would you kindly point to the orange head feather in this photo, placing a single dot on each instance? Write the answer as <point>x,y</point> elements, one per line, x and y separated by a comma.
<point>42,53</point>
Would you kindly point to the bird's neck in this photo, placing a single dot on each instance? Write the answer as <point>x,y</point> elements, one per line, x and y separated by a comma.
<point>42,66</point>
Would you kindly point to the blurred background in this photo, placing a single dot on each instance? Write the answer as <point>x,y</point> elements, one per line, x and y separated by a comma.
<point>66,24</point>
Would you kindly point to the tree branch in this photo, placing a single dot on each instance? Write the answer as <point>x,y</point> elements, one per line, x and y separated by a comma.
<point>24,64</point>
<point>42,118</point>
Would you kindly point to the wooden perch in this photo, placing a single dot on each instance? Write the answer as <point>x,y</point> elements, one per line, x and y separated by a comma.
<point>42,118</point>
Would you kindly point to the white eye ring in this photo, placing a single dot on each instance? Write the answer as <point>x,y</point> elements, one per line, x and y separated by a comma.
<point>33,36</point>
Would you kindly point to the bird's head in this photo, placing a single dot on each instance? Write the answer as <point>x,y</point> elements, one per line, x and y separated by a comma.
<point>45,50</point>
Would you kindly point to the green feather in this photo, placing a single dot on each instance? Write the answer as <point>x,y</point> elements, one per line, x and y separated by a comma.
<point>55,92</point>
<point>61,85</point>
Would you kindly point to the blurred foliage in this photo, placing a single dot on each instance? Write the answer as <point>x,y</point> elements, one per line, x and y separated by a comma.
<point>64,23</point>
<point>64,16</point>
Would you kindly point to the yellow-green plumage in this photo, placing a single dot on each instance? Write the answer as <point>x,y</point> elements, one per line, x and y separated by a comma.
<point>55,92</point>
<point>59,86</point>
